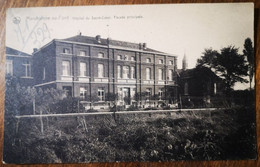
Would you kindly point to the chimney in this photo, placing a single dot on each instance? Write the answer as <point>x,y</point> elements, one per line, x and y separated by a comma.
<point>98,38</point>
<point>35,49</point>
<point>144,45</point>
<point>108,40</point>
<point>140,46</point>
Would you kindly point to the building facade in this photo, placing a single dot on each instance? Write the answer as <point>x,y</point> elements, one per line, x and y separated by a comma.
<point>18,64</point>
<point>95,67</point>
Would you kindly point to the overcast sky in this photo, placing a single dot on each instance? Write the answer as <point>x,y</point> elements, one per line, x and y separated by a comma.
<point>175,29</point>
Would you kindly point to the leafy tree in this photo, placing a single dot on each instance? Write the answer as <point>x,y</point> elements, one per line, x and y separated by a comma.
<point>208,59</point>
<point>229,65</point>
<point>112,97</point>
<point>249,54</point>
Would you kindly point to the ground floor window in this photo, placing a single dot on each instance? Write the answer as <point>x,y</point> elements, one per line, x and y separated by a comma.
<point>68,90</point>
<point>101,94</point>
<point>160,93</point>
<point>82,92</point>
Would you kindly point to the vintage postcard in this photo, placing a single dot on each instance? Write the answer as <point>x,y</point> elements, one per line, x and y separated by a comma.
<point>128,83</point>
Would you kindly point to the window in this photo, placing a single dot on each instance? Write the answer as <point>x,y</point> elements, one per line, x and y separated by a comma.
<point>170,62</point>
<point>66,50</point>
<point>160,92</point>
<point>132,58</point>
<point>148,60</point>
<point>43,75</point>
<point>82,53</point>
<point>149,91</point>
<point>126,72</point>
<point>170,75</point>
<point>148,73</point>
<point>160,74</point>
<point>100,70</point>
<point>101,94</point>
<point>133,72</point>
<point>215,88</point>
<point>119,72</point>
<point>9,67</point>
<point>27,67</point>
<point>100,55</point>
<point>82,92</point>
<point>65,68</point>
<point>186,88</point>
<point>83,69</point>
<point>160,61</point>
<point>126,57</point>
<point>119,57</point>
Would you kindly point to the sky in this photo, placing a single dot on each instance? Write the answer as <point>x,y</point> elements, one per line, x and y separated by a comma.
<point>172,28</point>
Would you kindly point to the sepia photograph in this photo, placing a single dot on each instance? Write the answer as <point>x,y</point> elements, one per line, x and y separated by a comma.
<point>130,83</point>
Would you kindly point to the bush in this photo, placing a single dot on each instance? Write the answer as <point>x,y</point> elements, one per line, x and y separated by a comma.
<point>166,107</point>
<point>151,108</point>
<point>132,108</point>
<point>91,110</point>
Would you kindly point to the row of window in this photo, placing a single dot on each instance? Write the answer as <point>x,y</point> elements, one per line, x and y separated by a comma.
<point>119,57</point>
<point>160,74</point>
<point>9,68</point>
<point>124,72</point>
<point>124,92</point>
<point>83,93</point>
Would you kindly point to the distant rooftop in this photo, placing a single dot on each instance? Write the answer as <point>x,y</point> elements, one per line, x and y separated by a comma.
<point>12,51</point>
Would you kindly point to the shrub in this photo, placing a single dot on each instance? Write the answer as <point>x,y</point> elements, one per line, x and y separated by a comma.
<point>132,108</point>
<point>91,110</point>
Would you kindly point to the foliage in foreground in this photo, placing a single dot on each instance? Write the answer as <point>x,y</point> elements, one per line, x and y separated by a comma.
<point>204,135</point>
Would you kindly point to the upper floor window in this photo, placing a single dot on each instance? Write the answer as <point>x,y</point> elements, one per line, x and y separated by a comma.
<point>9,67</point>
<point>170,75</point>
<point>43,74</point>
<point>83,69</point>
<point>126,57</point>
<point>148,73</point>
<point>65,68</point>
<point>160,74</point>
<point>66,50</point>
<point>82,92</point>
<point>132,58</point>
<point>119,72</point>
<point>101,94</point>
<point>170,62</point>
<point>119,57</point>
<point>160,61</point>
<point>27,67</point>
<point>148,60</point>
<point>100,70</point>
<point>133,72</point>
<point>82,53</point>
<point>126,72</point>
<point>100,55</point>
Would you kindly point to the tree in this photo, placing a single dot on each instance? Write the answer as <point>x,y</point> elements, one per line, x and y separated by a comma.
<point>249,54</point>
<point>229,65</point>
<point>208,59</point>
<point>112,97</point>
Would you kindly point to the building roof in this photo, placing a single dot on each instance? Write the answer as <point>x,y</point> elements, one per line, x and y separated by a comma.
<point>102,41</point>
<point>12,51</point>
<point>199,72</point>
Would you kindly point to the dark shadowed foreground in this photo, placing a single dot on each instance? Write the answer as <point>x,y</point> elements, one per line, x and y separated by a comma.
<point>183,135</point>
